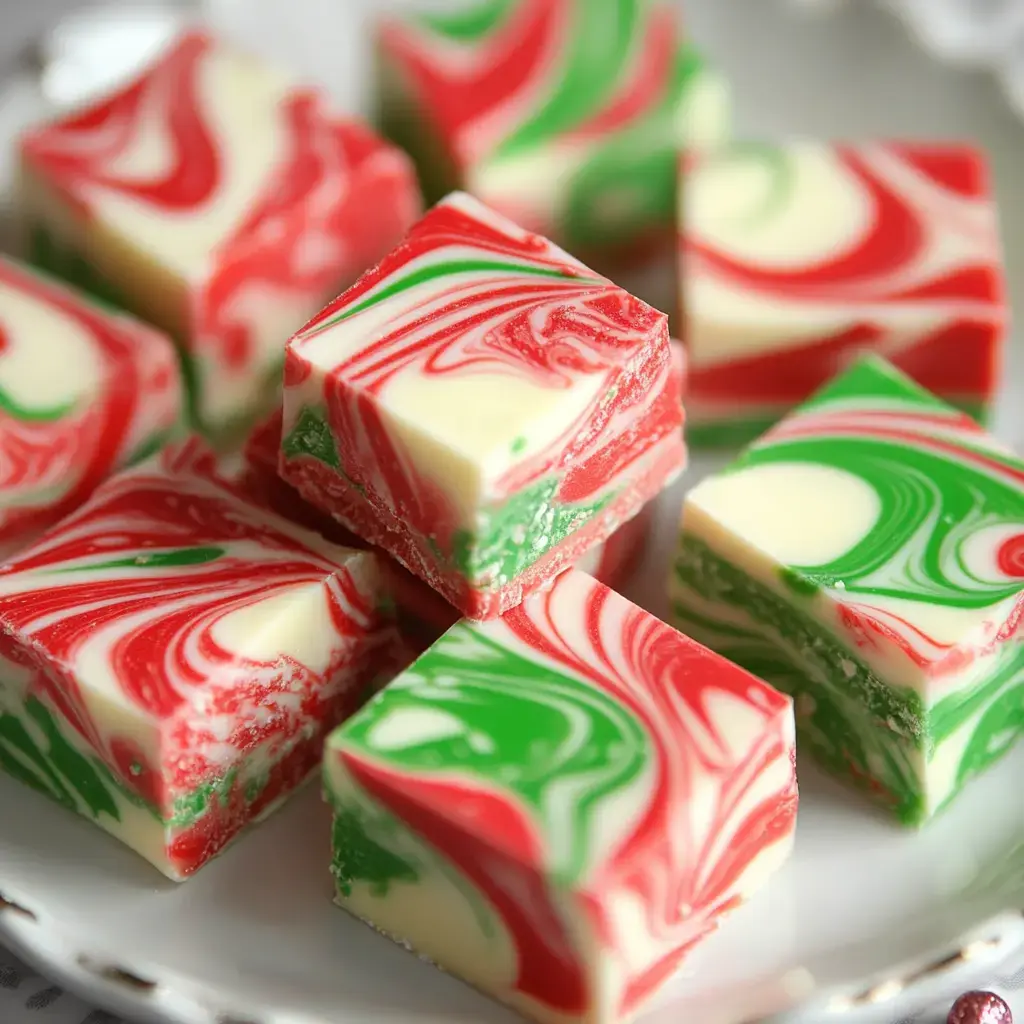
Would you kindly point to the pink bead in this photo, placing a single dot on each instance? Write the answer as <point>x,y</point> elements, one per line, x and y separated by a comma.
<point>980,1008</point>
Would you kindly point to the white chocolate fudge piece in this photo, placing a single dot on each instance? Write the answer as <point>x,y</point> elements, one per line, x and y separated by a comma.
<point>867,557</point>
<point>482,406</point>
<point>577,791</point>
<point>222,202</point>
<point>172,657</point>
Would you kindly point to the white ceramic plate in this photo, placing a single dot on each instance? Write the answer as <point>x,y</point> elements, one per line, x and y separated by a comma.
<point>867,922</point>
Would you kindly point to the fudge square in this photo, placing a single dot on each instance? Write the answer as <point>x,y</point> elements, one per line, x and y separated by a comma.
<point>565,115</point>
<point>797,258</point>
<point>867,557</point>
<point>83,392</point>
<point>172,657</point>
<point>221,202</point>
<point>481,406</point>
<point>577,790</point>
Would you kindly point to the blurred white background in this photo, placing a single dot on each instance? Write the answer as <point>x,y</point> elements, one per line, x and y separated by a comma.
<point>976,33</point>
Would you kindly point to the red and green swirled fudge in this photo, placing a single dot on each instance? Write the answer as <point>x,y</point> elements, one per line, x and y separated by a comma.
<point>220,200</point>
<point>577,791</point>
<point>565,115</point>
<point>797,257</point>
<point>867,557</point>
<point>482,406</point>
<point>172,657</point>
<point>84,392</point>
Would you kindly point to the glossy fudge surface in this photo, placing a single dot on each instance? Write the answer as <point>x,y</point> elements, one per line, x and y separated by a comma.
<point>84,391</point>
<point>541,111</point>
<point>576,790</point>
<point>796,258</point>
<point>482,406</point>
<point>867,556</point>
<point>172,656</point>
<point>222,201</point>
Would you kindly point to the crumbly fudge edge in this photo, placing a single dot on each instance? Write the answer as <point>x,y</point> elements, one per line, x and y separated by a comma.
<point>511,540</point>
<point>716,602</point>
<point>40,750</point>
<point>324,486</point>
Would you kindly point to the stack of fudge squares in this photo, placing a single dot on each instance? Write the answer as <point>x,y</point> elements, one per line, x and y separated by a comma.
<point>296,476</point>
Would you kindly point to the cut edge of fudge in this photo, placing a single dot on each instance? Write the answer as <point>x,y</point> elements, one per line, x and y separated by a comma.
<point>423,614</point>
<point>381,528</point>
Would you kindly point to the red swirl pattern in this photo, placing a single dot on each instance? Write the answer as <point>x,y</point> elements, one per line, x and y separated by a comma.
<point>1010,557</point>
<point>477,101</point>
<point>550,329</point>
<point>507,300</point>
<point>931,245</point>
<point>671,685</point>
<point>124,602</point>
<point>332,199</point>
<point>48,468</point>
<point>338,201</point>
<point>515,58</point>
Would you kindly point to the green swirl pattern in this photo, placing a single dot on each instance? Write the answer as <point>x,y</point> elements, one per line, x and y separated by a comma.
<point>40,750</point>
<point>947,539</point>
<point>35,751</point>
<point>553,744</point>
<point>615,184</point>
<point>933,502</point>
<point>510,536</point>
